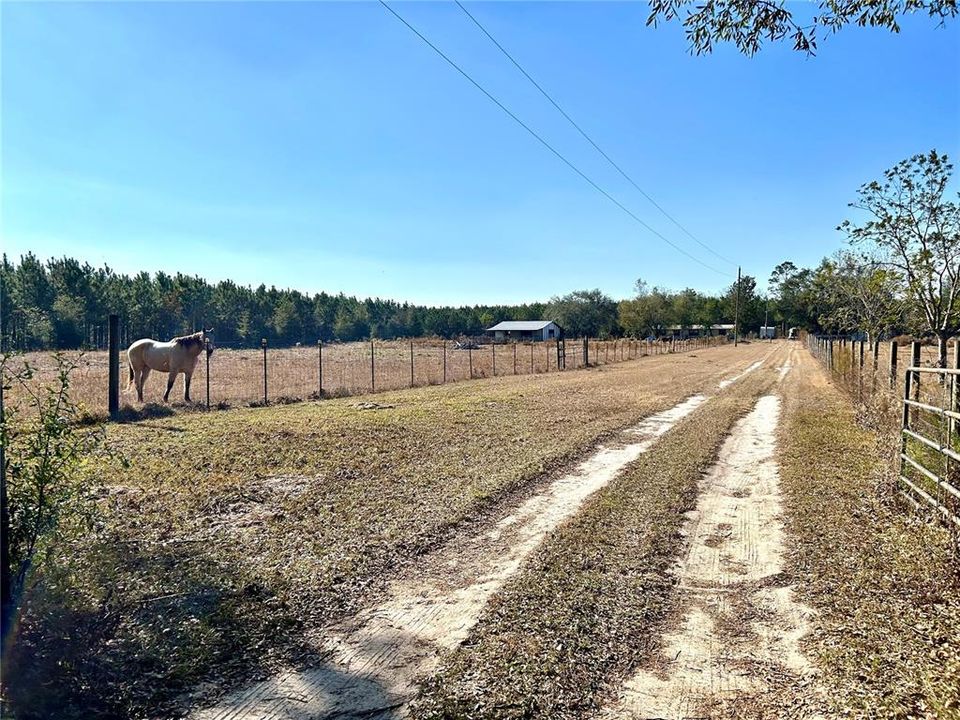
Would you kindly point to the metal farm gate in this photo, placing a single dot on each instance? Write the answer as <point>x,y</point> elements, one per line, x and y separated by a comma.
<point>930,441</point>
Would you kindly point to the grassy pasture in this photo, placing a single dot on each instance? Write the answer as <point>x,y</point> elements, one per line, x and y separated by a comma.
<point>883,582</point>
<point>236,376</point>
<point>230,539</point>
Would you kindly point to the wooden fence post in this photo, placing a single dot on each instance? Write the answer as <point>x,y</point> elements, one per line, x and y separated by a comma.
<point>320,368</point>
<point>893,364</point>
<point>373,377</point>
<point>411,363</point>
<point>514,358</point>
<point>444,362</point>
<point>470,358</point>
<point>860,375</point>
<point>113,394</point>
<point>493,347</point>
<point>263,344</point>
<point>586,352</point>
<point>531,357</point>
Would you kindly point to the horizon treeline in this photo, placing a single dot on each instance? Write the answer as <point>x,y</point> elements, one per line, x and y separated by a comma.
<point>64,303</point>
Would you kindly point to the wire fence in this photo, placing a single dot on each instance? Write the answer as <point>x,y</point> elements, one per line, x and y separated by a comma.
<point>902,392</point>
<point>232,377</point>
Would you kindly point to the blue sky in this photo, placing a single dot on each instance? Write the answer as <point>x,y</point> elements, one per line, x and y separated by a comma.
<point>322,146</point>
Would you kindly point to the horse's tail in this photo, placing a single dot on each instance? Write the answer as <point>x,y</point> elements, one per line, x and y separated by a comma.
<point>130,367</point>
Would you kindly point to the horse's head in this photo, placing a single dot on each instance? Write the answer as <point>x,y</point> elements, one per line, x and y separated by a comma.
<point>207,337</point>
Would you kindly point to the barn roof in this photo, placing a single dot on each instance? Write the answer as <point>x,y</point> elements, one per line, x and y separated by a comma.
<point>720,326</point>
<point>521,325</point>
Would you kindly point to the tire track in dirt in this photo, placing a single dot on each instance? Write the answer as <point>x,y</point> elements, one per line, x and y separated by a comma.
<point>739,626</point>
<point>377,657</point>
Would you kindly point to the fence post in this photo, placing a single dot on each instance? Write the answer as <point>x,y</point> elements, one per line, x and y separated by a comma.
<point>860,373</point>
<point>206,350</point>
<point>493,347</point>
<point>263,344</point>
<point>915,362</point>
<point>830,352</point>
<point>113,394</point>
<point>470,359</point>
<point>444,362</point>
<point>876,365</point>
<point>411,363</point>
<point>893,364</point>
<point>531,358</point>
<point>320,368</point>
<point>586,352</point>
<point>514,358</point>
<point>373,377</point>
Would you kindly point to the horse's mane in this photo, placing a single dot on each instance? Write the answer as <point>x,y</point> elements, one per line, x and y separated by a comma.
<point>188,340</point>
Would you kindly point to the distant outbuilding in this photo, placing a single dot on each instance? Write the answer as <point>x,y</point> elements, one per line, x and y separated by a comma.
<point>692,331</point>
<point>525,330</point>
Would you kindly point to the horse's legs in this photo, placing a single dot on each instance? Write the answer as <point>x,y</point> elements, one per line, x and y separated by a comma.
<point>170,378</point>
<point>186,386</point>
<point>141,381</point>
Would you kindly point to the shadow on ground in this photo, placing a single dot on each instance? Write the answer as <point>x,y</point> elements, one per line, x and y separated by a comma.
<point>129,628</point>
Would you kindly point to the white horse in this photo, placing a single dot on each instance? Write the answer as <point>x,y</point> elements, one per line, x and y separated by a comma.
<point>180,355</point>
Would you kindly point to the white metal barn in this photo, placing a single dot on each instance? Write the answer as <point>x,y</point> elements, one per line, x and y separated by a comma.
<point>525,330</point>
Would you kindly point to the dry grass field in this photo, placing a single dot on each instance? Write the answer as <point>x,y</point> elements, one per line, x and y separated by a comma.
<point>230,547</point>
<point>225,541</point>
<point>236,376</point>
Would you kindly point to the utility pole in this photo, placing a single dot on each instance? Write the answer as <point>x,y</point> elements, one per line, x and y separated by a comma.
<point>766,311</point>
<point>736,313</point>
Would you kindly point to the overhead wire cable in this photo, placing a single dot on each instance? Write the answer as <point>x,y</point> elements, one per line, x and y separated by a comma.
<point>546,144</point>
<point>588,138</point>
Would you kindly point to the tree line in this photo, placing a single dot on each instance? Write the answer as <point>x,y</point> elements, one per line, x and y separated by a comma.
<point>63,303</point>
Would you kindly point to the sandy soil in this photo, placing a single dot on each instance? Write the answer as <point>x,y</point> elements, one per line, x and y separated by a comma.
<point>376,658</point>
<point>739,627</point>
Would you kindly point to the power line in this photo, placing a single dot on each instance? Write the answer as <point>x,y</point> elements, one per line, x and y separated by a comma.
<point>588,138</point>
<point>544,142</point>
